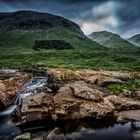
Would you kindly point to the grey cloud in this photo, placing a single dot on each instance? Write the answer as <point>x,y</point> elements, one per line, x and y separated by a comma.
<point>120,16</point>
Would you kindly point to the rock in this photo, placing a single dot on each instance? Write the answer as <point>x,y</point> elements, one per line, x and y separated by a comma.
<point>136,135</point>
<point>34,107</point>
<point>76,95</point>
<point>106,81</point>
<point>55,134</point>
<point>131,94</point>
<point>25,136</point>
<point>62,75</point>
<point>85,91</point>
<point>127,93</point>
<point>6,73</point>
<point>130,115</point>
<point>9,88</point>
<point>122,104</point>
<point>74,102</point>
<point>137,94</point>
<point>89,76</point>
<point>2,86</point>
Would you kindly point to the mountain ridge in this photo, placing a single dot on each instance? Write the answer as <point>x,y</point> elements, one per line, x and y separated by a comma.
<point>111,40</point>
<point>28,20</point>
<point>135,39</point>
<point>19,30</point>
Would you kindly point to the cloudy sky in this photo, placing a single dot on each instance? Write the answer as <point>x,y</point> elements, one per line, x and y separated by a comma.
<point>118,16</point>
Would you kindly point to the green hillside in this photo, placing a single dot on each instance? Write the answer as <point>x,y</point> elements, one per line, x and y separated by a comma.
<point>135,40</point>
<point>111,40</point>
<point>17,38</point>
<point>23,41</point>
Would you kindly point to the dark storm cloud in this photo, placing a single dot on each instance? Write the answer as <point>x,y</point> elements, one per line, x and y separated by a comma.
<point>120,16</point>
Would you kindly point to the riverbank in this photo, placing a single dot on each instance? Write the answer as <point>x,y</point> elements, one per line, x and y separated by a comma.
<point>71,95</point>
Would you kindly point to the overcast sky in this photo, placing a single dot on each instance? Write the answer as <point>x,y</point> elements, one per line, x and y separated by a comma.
<point>118,16</point>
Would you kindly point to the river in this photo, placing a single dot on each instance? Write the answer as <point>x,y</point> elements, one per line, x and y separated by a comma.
<point>82,130</point>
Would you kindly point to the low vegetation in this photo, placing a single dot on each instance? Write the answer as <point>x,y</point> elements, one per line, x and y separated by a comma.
<point>130,85</point>
<point>16,50</point>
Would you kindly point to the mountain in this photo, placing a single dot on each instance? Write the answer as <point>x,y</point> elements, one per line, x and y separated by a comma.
<point>135,39</point>
<point>25,35</point>
<point>32,20</point>
<point>111,40</point>
<point>19,31</point>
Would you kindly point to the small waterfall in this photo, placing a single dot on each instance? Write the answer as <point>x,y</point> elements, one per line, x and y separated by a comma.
<point>8,111</point>
<point>7,128</point>
<point>31,87</point>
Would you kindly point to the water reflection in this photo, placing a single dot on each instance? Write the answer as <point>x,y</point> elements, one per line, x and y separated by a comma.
<point>85,130</point>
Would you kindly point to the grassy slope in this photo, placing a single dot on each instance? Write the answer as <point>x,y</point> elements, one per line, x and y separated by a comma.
<point>111,40</point>
<point>135,40</point>
<point>16,50</point>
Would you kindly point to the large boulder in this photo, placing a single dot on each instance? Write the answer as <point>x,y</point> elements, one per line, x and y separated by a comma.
<point>9,89</point>
<point>76,101</point>
<point>130,115</point>
<point>34,107</point>
<point>72,101</point>
<point>122,104</point>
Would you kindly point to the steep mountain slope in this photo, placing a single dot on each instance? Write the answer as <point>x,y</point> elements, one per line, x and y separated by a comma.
<point>135,39</point>
<point>32,20</point>
<point>111,40</point>
<point>19,31</point>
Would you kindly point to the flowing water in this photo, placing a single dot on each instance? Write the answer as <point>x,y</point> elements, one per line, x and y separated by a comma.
<point>70,130</point>
<point>7,128</point>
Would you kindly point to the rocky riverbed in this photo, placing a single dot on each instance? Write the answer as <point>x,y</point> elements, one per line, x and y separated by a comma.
<point>61,95</point>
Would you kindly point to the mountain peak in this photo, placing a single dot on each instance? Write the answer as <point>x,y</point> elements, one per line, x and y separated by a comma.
<point>135,39</point>
<point>33,20</point>
<point>103,34</point>
<point>110,40</point>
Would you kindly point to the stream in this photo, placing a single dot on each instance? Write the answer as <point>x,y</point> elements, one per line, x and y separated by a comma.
<point>81,130</point>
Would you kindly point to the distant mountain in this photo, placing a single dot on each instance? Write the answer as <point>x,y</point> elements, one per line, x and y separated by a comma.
<point>32,20</point>
<point>135,39</point>
<point>110,40</point>
<point>19,31</point>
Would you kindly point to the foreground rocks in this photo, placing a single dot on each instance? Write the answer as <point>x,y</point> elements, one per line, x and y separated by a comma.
<point>76,100</point>
<point>9,88</point>
<point>70,95</point>
<point>90,76</point>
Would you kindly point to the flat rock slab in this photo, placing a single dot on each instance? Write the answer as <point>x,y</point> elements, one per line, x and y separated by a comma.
<point>128,115</point>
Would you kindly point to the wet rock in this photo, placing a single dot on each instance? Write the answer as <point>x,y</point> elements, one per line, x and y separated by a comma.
<point>25,136</point>
<point>136,135</point>
<point>135,127</point>
<point>6,73</point>
<point>34,107</point>
<point>9,88</point>
<point>72,101</point>
<point>75,95</point>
